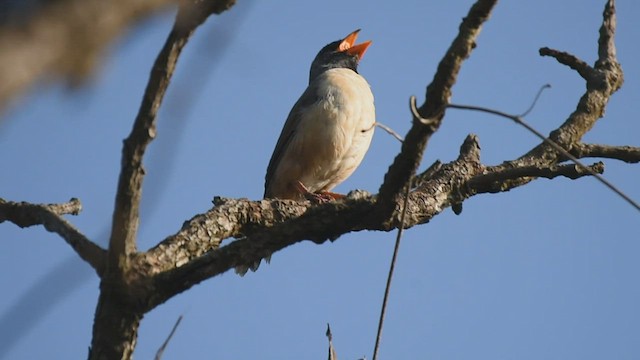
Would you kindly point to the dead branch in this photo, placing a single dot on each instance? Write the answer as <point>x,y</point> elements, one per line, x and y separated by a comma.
<point>119,308</point>
<point>628,154</point>
<point>136,282</point>
<point>264,227</point>
<point>492,182</point>
<point>24,214</point>
<point>438,94</point>
<point>126,211</point>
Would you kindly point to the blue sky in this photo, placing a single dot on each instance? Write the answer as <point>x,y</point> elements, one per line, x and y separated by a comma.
<point>546,271</point>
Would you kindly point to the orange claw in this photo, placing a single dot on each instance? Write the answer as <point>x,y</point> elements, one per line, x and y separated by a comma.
<point>317,197</point>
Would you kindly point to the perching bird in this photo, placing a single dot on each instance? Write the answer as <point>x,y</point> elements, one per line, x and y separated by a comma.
<point>329,129</point>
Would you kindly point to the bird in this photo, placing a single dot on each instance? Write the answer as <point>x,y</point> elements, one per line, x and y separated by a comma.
<point>328,130</point>
<point>327,133</point>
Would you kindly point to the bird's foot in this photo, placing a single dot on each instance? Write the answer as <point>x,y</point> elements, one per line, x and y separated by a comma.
<point>324,196</point>
<point>319,197</point>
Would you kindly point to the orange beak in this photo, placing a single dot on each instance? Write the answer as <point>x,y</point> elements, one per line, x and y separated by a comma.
<point>347,45</point>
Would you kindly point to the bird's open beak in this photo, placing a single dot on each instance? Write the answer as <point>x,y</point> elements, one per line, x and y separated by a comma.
<point>347,45</point>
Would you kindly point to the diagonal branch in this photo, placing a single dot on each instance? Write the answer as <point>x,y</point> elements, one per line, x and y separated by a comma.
<point>126,211</point>
<point>564,58</point>
<point>437,96</point>
<point>25,214</point>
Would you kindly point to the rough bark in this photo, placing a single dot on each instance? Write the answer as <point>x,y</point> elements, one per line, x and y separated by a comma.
<point>122,297</point>
<point>133,282</point>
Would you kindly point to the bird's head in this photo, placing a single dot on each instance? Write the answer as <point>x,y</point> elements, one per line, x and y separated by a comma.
<point>339,54</point>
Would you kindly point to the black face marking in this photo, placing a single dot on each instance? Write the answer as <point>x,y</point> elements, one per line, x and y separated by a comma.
<point>331,58</point>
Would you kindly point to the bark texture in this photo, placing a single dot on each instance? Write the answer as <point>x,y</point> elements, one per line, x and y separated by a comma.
<point>134,282</point>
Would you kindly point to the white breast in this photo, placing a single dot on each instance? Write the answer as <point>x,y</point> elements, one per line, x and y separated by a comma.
<point>335,133</point>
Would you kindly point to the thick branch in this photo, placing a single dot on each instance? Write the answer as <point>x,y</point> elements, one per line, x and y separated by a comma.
<point>122,295</point>
<point>116,323</point>
<point>272,225</point>
<point>629,154</point>
<point>25,214</point>
<point>228,218</point>
<point>125,215</point>
<point>438,94</point>
<point>264,227</point>
<point>447,185</point>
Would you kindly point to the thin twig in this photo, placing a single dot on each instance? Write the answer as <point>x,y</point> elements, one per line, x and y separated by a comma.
<point>391,268</point>
<point>166,342</point>
<point>413,106</point>
<point>535,100</point>
<point>553,144</point>
<point>389,130</point>
<point>564,58</point>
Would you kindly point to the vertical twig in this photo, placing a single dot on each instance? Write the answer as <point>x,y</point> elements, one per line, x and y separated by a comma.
<point>391,268</point>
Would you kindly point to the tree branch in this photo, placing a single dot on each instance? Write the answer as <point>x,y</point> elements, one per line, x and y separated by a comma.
<point>606,42</point>
<point>122,296</point>
<point>133,283</point>
<point>268,226</point>
<point>49,215</point>
<point>437,96</point>
<point>628,154</point>
<point>599,88</point>
<point>601,84</point>
<point>265,227</point>
<point>563,153</point>
<point>564,58</point>
<point>499,181</point>
<point>191,14</point>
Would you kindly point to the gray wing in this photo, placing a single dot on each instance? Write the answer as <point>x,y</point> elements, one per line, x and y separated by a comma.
<point>308,98</point>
